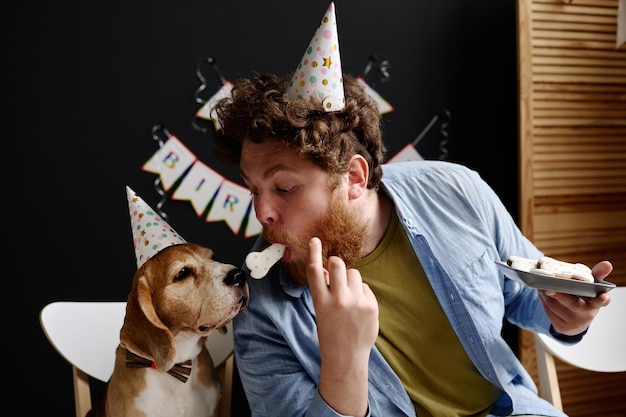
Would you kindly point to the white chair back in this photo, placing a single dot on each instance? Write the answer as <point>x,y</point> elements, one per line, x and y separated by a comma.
<point>86,334</point>
<point>603,349</point>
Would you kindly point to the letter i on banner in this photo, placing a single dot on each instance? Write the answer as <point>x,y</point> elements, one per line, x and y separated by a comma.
<point>199,186</point>
<point>170,161</point>
<point>230,205</point>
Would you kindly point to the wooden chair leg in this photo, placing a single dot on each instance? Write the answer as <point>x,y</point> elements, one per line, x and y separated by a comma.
<point>548,380</point>
<point>225,373</point>
<point>82,392</point>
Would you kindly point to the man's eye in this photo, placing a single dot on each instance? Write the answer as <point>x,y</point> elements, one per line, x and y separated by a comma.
<point>283,190</point>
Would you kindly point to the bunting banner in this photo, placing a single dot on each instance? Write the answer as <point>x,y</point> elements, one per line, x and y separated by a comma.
<point>231,205</point>
<point>408,153</point>
<point>383,106</point>
<point>206,110</point>
<point>199,187</point>
<point>206,190</point>
<point>212,196</point>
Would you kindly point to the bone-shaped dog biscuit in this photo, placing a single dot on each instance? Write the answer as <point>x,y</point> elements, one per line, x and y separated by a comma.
<point>260,263</point>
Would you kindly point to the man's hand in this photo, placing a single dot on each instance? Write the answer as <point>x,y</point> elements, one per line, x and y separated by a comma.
<point>347,327</point>
<point>571,315</point>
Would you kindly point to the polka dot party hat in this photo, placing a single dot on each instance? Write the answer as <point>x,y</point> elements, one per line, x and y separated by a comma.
<point>150,232</point>
<point>319,72</point>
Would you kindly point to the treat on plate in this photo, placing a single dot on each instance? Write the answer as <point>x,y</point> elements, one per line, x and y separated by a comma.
<point>552,267</point>
<point>562,269</point>
<point>521,264</point>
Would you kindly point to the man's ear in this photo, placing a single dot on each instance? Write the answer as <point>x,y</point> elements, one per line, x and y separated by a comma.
<point>358,175</point>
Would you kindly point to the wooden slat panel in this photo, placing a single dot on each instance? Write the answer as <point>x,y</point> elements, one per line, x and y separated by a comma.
<point>618,92</point>
<point>585,79</point>
<point>576,9</point>
<point>581,144</point>
<point>572,159</point>
<point>595,3</point>
<point>610,112</point>
<point>577,36</point>
<point>563,246</point>
<point>565,166</point>
<point>580,121</point>
<point>591,69</point>
<point>615,106</point>
<point>574,39</point>
<point>560,222</point>
<point>586,53</point>
<point>586,131</point>
<point>555,183</point>
<point>575,26</point>
<point>525,91</point>
<point>591,202</point>
<point>569,249</point>
<point>573,44</point>
<point>578,61</point>
<point>573,18</point>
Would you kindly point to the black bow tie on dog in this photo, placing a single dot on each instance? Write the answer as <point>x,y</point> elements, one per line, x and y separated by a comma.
<point>179,371</point>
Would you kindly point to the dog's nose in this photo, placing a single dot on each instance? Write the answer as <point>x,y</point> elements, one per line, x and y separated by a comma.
<point>235,277</point>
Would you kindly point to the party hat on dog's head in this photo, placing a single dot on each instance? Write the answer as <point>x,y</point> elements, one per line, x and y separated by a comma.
<point>150,232</point>
<point>319,72</point>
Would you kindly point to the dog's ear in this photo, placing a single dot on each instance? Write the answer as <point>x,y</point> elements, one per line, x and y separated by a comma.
<point>143,332</point>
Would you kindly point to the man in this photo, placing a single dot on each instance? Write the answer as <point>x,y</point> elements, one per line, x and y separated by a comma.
<point>387,301</point>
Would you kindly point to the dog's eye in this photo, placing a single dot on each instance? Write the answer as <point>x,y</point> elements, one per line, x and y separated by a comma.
<point>183,273</point>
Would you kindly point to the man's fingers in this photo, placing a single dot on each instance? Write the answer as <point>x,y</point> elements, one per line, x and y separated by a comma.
<point>316,274</point>
<point>602,269</point>
<point>337,273</point>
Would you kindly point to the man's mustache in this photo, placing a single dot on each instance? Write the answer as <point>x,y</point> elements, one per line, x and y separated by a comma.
<point>271,234</point>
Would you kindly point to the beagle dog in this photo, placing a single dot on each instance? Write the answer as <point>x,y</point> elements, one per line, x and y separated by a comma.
<point>162,366</point>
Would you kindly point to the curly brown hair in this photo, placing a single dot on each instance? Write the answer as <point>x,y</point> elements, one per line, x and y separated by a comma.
<point>259,108</point>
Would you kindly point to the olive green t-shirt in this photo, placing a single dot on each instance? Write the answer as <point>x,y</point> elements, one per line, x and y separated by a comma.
<point>417,339</point>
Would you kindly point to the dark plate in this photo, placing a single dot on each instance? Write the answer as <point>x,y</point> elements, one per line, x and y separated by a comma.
<point>564,285</point>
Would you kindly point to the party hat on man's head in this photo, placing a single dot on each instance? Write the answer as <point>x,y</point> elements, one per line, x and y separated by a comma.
<point>150,232</point>
<point>319,72</point>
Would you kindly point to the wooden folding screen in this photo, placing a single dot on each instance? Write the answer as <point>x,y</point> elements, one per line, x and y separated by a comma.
<point>572,159</point>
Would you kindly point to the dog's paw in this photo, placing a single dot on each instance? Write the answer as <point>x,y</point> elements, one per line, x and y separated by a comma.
<point>260,263</point>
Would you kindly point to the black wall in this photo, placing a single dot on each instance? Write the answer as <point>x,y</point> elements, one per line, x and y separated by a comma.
<point>85,82</point>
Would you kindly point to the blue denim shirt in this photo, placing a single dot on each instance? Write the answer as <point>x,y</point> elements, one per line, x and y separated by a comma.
<point>458,228</point>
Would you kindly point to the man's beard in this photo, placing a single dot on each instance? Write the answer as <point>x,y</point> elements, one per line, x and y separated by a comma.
<point>341,231</point>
